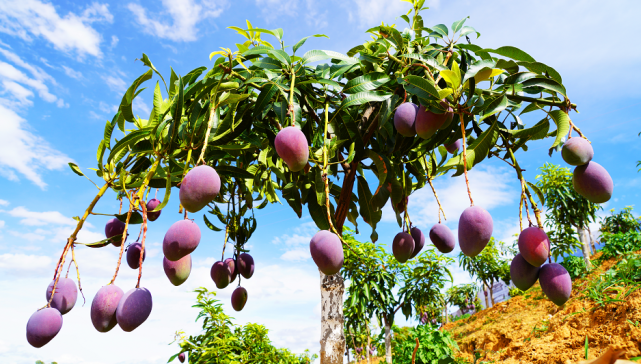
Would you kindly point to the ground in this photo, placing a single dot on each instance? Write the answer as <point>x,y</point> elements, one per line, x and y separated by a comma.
<point>532,329</point>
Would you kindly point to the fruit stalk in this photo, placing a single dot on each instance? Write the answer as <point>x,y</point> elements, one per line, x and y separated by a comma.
<point>535,207</point>
<point>429,180</point>
<point>210,122</point>
<point>464,142</point>
<point>122,243</point>
<point>72,239</point>
<point>142,242</point>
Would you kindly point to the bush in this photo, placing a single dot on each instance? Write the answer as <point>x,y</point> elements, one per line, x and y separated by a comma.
<point>224,342</point>
<point>618,244</point>
<point>462,317</point>
<point>623,222</point>
<point>514,291</point>
<point>575,266</point>
<point>629,267</point>
<point>435,347</point>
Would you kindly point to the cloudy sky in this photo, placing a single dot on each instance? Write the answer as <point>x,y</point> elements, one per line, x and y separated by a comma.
<point>65,65</point>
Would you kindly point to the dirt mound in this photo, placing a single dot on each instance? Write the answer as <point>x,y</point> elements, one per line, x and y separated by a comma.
<point>531,329</point>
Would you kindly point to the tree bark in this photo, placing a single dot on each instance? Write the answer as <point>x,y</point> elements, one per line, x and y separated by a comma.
<point>487,302</point>
<point>332,336</point>
<point>585,246</point>
<point>369,344</point>
<point>388,341</point>
<point>491,290</point>
<point>591,240</point>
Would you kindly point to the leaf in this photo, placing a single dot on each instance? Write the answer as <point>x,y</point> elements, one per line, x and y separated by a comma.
<point>363,97</point>
<point>233,172</point>
<point>469,30</point>
<point>453,76</point>
<point>127,99</point>
<point>381,163</point>
<point>545,83</point>
<point>233,99</point>
<point>314,55</point>
<point>281,56</point>
<point>209,224</point>
<point>148,63</point>
<point>257,50</point>
<point>268,63</point>
<point>129,140</point>
<point>542,69</point>
<point>366,82</point>
<point>538,192</point>
<point>562,121</point>
<point>393,35</point>
<point>475,68</point>
<point>511,52</point>
<point>302,41</point>
<point>425,59</point>
<point>74,167</point>
<point>441,29</point>
<point>264,99</point>
<point>101,243</point>
<point>496,106</point>
<point>135,219</point>
<point>457,25</point>
<point>364,196</point>
<point>421,87</point>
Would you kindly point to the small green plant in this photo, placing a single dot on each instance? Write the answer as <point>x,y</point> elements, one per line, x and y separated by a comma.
<point>622,222</point>
<point>462,317</point>
<point>514,291</point>
<point>575,266</point>
<point>612,282</point>
<point>222,341</point>
<point>434,346</point>
<point>619,243</point>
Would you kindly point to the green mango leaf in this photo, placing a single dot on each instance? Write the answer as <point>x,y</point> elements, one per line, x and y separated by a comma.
<point>421,87</point>
<point>233,99</point>
<point>511,52</point>
<point>267,63</point>
<point>382,165</point>
<point>233,172</point>
<point>366,82</point>
<point>496,106</point>
<point>457,25</point>
<point>135,219</point>
<point>538,192</point>
<point>302,41</point>
<point>542,69</point>
<point>210,225</point>
<point>264,99</point>
<point>425,59</point>
<point>132,92</point>
<point>257,50</point>
<point>128,141</point>
<point>469,30</point>
<point>101,243</point>
<point>363,97</point>
<point>281,56</point>
<point>562,121</point>
<point>441,29</point>
<point>74,167</point>
<point>545,83</point>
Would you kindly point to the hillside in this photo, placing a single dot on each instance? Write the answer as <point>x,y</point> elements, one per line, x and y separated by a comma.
<point>531,329</point>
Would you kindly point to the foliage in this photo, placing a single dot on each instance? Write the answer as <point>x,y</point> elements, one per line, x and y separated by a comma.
<point>223,342</point>
<point>490,266</point>
<point>619,244</point>
<point>461,317</point>
<point>435,346</point>
<point>630,267</point>
<point>514,291</point>
<point>465,297</point>
<point>613,286</point>
<point>622,222</point>
<point>575,266</point>
<point>566,209</point>
<point>423,284</point>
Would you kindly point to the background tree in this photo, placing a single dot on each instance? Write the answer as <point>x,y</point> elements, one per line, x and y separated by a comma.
<point>490,266</point>
<point>464,296</point>
<point>228,117</point>
<point>222,341</point>
<point>566,211</point>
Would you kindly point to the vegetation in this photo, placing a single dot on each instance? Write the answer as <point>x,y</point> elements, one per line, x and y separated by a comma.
<point>465,297</point>
<point>489,267</point>
<point>575,266</point>
<point>435,346</point>
<point>223,342</point>
<point>320,129</point>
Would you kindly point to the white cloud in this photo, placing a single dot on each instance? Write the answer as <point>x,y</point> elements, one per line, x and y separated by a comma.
<point>24,152</point>
<point>296,255</point>
<point>20,94</point>
<point>72,73</point>
<point>72,32</point>
<point>115,83</point>
<point>4,202</point>
<point>19,264</point>
<point>370,12</point>
<point>33,218</point>
<point>491,187</point>
<point>140,108</point>
<point>30,236</point>
<point>114,41</point>
<point>1,224</point>
<point>186,14</point>
<point>37,72</point>
<point>104,107</point>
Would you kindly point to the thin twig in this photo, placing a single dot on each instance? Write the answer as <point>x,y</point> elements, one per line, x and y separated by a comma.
<point>142,243</point>
<point>467,182</point>
<point>122,242</point>
<point>415,349</point>
<point>73,258</point>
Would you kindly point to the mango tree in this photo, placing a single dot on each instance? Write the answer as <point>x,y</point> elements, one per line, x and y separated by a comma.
<point>341,134</point>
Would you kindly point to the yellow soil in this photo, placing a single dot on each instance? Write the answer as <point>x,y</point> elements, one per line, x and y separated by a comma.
<point>534,330</point>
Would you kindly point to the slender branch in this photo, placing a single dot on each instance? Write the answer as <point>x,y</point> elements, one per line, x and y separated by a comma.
<point>537,212</point>
<point>73,259</point>
<point>415,349</point>
<point>210,123</point>
<point>122,243</point>
<point>467,182</point>
<point>142,243</point>
<point>440,208</point>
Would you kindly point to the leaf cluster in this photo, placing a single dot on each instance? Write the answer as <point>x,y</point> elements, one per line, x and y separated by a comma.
<point>221,341</point>
<point>490,266</point>
<point>575,266</point>
<point>435,346</point>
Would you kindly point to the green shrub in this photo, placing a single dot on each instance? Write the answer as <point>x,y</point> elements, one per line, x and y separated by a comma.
<point>435,347</point>
<point>618,244</point>
<point>514,291</point>
<point>462,317</point>
<point>575,266</point>
<point>623,222</point>
<point>629,268</point>
<point>224,342</point>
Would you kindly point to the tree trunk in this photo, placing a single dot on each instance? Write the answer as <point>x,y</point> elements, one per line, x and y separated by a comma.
<point>487,302</point>
<point>491,290</point>
<point>369,343</point>
<point>332,336</point>
<point>585,247</point>
<point>591,240</point>
<point>388,341</point>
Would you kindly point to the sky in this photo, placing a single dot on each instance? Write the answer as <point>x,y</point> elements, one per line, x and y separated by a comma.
<point>64,66</point>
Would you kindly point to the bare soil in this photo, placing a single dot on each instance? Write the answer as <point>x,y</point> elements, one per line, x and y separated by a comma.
<point>532,329</point>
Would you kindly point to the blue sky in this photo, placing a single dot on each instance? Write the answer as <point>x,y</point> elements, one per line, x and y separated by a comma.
<point>63,69</point>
